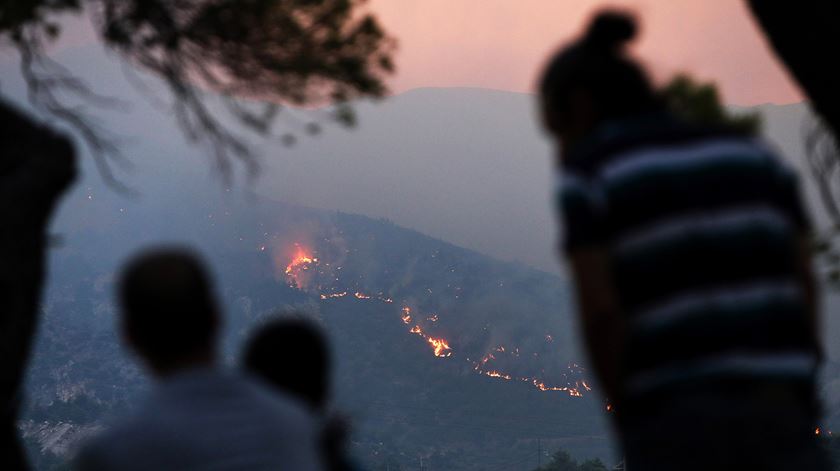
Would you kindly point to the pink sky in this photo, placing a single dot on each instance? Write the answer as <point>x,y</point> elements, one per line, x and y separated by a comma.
<point>502,44</point>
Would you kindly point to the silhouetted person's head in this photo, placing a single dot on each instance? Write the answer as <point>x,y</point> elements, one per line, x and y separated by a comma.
<point>293,356</point>
<point>592,80</point>
<point>169,311</point>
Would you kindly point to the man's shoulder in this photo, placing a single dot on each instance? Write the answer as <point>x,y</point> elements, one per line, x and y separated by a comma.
<point>231,390</point>
<point>194,412</point>
<point>608,148</point>
<point>273,402</point>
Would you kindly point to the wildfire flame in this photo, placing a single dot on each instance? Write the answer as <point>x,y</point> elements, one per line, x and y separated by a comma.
<point>297,269</point>
<point>572,390</point>
<point>440,346</point>
<point>442,349</point>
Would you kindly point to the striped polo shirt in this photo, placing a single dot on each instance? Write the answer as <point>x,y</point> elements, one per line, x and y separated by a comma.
<point>701,228</point>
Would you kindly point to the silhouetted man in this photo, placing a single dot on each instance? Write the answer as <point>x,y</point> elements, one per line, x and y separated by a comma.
<point>292,356</point>
<point>198,416</point>
<point>689,253</point>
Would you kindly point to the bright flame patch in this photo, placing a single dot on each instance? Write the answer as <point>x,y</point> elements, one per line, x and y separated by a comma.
<point>297,271</point>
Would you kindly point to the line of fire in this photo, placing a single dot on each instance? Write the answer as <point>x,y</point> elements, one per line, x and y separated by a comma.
<point>302,266</point>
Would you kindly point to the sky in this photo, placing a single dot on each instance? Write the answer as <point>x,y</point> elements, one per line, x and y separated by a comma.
<point>502,44</point>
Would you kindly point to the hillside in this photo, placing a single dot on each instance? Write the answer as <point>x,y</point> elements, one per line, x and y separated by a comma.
<point>442,353</point>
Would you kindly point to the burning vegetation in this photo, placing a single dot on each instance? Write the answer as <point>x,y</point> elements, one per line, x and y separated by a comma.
<point>300,267</point>
<point>574,388</point>
<point>303,267</point>
<point>440,346</point>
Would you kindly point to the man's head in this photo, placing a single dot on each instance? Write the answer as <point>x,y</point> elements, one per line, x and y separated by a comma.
<point>169,311</point>
<point>592,80</point>
<point>293,356</point>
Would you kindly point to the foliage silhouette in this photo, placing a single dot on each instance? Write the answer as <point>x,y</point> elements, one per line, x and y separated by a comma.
<point>800,34</point>
<point>701,103</point>
<point>270,52</point>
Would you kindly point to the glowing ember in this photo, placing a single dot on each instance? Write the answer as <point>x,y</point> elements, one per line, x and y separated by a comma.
<point>406,317</point>
<point>574,392</point>
<point>496,374</point>
<point>484,361</point>
<point>357,294</point>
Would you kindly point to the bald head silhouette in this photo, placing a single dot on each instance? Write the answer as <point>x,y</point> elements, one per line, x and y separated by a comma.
<point>170,316</point>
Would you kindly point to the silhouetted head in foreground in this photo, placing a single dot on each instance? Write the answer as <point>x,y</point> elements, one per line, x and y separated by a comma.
<point>592,80</point>
<point>293,356</point>
<point>169,312</point>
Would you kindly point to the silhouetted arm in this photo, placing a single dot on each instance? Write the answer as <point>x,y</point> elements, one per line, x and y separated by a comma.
<point>600,317</point>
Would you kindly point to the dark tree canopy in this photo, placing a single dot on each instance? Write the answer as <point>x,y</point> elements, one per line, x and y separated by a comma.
<point>804,34</point>
<point>255,55</point>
